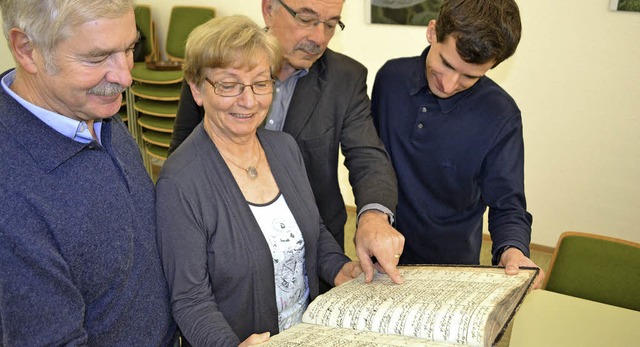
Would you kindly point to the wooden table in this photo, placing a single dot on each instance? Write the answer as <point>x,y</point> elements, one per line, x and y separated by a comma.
<point>552,319</point>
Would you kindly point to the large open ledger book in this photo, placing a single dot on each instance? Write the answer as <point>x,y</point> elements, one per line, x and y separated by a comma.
<point>436,306</point>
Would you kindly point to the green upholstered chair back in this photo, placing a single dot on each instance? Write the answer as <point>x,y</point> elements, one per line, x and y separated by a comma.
<point>145,24</point>
<point>183,20</point>
<point>596,268</point>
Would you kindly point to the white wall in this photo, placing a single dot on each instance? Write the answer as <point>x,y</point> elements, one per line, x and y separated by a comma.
<point>576,77</point>
<point>6,60</point>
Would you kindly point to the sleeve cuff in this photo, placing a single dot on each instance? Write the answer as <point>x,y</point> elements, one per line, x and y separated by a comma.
<point>378,207</point>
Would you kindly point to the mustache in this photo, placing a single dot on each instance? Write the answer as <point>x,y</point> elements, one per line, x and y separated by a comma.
<point>309,47</point>
<point>107,89</point>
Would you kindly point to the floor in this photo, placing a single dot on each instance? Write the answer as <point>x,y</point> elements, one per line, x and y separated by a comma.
<point>540,255</point>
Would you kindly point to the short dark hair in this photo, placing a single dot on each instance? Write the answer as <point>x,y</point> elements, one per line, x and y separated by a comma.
<point>485,30</point>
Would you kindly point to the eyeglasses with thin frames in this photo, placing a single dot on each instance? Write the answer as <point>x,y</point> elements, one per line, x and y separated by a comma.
<point>309,20</point>
<point>237,88</point>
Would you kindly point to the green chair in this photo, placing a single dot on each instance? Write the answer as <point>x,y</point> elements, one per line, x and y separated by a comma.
<point>156,87</point>
<point>160,124</point>
<point>161,92</point>
<point>156,136</point>
<point>157,152</point>
<point>182,21</point>
<point>597,268</point>
<point>157,100</point>
<point>145,24</point>
<point>156,143</point>
<point>157,108</point>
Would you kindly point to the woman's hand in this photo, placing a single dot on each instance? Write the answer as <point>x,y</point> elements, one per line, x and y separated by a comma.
<point>255,339</point>
<point>349,271</point>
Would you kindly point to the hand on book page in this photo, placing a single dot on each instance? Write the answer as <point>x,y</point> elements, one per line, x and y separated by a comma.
<point>436,306</point>
<point>348,272</point>
<point>512,259</point>
<point>375,237</point>
<point>255,339</point>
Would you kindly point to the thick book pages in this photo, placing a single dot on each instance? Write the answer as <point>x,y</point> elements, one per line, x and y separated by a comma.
<point>436,306</point>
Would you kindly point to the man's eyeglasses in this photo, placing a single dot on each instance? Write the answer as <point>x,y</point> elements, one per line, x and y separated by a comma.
<point>236,88</point>
<point>308,20</point>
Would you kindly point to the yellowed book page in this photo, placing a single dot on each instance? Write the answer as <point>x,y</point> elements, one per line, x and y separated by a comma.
<point>320,336</point>
<point>443,304</point>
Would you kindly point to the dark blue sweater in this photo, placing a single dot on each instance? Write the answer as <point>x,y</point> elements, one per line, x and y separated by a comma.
<point>78,261</point>
<point>453,158</point>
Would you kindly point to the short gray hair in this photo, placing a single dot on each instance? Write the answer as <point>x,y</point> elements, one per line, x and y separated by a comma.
<point>47,22</point>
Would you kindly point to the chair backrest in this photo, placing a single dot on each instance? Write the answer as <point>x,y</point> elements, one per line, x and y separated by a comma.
<point>597,268</point>
<point>145,24</point>
<point>183,20</point>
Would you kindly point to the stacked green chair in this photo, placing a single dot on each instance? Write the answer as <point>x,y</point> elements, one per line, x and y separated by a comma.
<point>155,92</point>
<point>596,268</point>
<point>145,24</point>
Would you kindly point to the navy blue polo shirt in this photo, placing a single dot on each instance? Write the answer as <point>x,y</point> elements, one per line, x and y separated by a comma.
<point>453,158</point>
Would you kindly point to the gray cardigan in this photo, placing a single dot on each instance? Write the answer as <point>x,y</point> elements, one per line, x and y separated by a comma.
<point>216,260</point>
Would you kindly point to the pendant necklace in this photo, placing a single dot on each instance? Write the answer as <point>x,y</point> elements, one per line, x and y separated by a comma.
<point>251,170</point>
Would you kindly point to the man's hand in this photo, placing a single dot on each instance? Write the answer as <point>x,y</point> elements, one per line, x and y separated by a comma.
<point>512,259</point>
<point>376,238</point>
<point>349,271</point>
<point>255,339</point>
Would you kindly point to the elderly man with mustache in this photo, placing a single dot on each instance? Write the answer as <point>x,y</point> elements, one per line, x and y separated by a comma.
<point>78,258</point>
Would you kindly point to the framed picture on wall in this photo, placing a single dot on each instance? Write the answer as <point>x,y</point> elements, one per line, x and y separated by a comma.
<point>403,12</point>
<point>625,5</point>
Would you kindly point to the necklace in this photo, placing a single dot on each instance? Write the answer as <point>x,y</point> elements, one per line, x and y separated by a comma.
<point>251,170</point>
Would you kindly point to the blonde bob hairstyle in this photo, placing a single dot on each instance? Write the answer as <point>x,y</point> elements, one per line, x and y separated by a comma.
<point>232,41</point>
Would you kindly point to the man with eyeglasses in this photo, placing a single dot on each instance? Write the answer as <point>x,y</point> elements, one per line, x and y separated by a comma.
<point>321,100</point>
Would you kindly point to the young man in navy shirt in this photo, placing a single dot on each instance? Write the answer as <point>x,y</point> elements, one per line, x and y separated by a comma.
<point>455,139</point>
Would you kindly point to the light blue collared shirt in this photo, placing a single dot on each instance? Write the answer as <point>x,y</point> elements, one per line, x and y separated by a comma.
<point>277,116</point>
<point>71,128</point>
<point>281,100</point>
